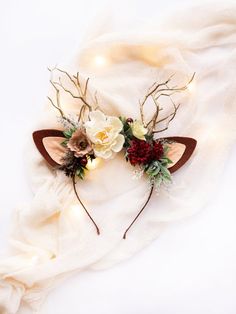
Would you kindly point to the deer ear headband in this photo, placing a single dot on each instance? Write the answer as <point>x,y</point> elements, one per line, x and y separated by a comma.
<point>93,134</point>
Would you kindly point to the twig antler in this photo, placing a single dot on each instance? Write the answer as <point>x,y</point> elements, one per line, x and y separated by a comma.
<point>58,104</point>
<point>79,94</point>
<point>156,91</point>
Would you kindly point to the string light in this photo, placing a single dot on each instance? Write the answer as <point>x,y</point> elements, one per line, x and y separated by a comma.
<point>75,211</point>
<point>93,163</point>
<point>100,61</point>
<point>34,259</point>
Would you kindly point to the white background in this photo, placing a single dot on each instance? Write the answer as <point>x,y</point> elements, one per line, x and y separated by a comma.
<point>191,267</point>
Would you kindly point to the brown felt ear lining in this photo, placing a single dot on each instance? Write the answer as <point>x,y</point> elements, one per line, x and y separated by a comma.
<point>49,145</point>
<point>184,155</point>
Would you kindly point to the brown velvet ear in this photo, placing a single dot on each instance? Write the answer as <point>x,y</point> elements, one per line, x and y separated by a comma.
<point>49,145</point>
<point>180,151</point>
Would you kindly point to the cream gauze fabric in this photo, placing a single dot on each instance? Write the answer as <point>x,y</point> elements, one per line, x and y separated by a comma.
<point>53,237</point>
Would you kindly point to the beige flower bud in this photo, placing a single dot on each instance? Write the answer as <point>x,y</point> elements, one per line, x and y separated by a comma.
<point>138,129</point>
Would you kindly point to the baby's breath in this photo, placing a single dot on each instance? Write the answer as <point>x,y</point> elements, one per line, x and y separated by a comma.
<point>137,174</point>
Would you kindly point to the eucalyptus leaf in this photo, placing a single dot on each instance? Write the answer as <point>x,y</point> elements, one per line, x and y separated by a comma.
<point>165,161</point>
<point>166,173</point>
<point>153,169</point>
<point>159,181</point>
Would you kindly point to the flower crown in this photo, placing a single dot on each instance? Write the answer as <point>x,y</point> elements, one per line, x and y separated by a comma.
<point>93,134</point>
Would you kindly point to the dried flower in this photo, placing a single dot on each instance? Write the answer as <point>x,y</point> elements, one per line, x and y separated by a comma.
<point>79,144</point>
<point>138,173</point>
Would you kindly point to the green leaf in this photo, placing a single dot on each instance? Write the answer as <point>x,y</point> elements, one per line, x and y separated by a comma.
<point>166,149</point>
<point>68,133</point>
<point>64,143</point>
<point>159,180</point>
<point>122,119</point>
<point>149,137</point>
<point>80,173</point>
<point>169,160</point>
<point>153,169</point>
<point>165,172</point>
<point>165,161</point>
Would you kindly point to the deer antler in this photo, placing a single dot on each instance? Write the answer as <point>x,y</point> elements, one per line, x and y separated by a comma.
<point>155,92</point>
<point>79,94</point>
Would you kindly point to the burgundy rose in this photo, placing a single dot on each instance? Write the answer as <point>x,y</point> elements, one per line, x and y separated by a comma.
<point>141,152</point>
<point>158,150</point>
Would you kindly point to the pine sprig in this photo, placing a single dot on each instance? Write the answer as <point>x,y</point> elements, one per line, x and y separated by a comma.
<point>71,166</point>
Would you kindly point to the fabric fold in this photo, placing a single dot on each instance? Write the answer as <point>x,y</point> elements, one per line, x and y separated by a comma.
<point>52,237</point>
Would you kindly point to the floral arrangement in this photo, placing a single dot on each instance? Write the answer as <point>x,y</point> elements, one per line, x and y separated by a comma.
<point>93,134</point>
<point>103,136</point>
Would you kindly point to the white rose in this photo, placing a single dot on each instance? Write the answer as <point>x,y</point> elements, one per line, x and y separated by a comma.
<point>104,133</point>
<point>138,129</point>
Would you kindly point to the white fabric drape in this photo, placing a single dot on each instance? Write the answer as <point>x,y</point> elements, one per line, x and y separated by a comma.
<point>52,236</point>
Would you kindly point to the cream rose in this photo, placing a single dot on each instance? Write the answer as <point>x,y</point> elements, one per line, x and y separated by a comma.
<point>138,129</point>
<point>104,133</point>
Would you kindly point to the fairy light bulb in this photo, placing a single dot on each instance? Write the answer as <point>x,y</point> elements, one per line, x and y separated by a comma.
<point>100,61</point>
<point>34,259</point>
<point>93,163</point>
<point>75,211</point>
